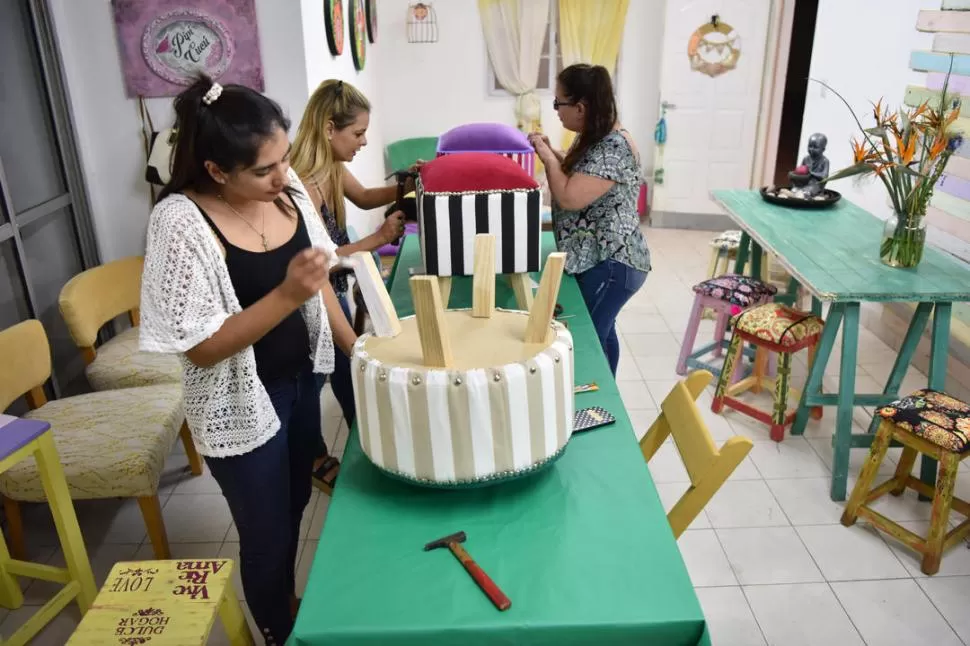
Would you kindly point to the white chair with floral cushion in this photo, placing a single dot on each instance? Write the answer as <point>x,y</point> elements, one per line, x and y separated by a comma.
<point>111,444</point>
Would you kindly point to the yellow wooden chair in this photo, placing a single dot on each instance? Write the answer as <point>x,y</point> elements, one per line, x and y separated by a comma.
<point>111,444</point>
<point>19,441</point>
<point>707,466</point>
<point>164,603</point>
<point>93,298</point>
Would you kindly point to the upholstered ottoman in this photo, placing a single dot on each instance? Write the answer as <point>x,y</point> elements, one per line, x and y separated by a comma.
<point>490,138</point>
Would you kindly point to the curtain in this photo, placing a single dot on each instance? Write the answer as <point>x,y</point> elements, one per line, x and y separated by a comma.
<point>514,32</point>
<point>590,32</point>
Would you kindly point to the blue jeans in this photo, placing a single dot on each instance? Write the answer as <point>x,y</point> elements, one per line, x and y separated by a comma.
<point>606,288</point>
<point>340,381</point>
<point>267,490</point>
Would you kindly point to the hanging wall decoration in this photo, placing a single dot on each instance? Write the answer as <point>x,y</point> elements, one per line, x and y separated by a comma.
<point>333,18</point>
<point>372,21</point>
<point>165,44</point>
<point>714,48</point>
<point>358,33</point>
<point>422,23</point>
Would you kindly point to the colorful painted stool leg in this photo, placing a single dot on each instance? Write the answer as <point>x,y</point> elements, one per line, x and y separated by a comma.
<point>877,453</point>
<point>782,383</point>
<point>720,330</point>
<point>723,381</point>
<point>940,516</point>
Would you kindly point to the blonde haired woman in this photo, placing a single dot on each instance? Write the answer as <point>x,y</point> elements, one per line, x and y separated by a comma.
<point>331,133</point>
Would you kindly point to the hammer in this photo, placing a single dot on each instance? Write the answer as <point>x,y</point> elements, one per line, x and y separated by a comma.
<point>402,177</point>
<point>492,591</point>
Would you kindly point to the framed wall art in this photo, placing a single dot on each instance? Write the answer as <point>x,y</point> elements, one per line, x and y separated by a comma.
<point>165,44</point>
<point>333,18</point>
<point>358,33</point>
<point>372,21</point>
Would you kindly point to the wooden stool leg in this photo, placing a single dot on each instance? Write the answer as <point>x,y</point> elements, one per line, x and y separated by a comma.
<point>945,482</point>
<point>65,520</point>
<point>720,329</point>
<point>723,381</point>
<point>234,620</point>
<point>15,528</point>
<point>195,460</point>
<point>444,284</point>
<point>521,287</point>
<point>782,383</point>
<point>760,369</point>
<point>877,452</point>
<point>11,597</point>
<point>151,511</point>
<point>903,470</point>
<point>690,335</point>
<point>715,261</point>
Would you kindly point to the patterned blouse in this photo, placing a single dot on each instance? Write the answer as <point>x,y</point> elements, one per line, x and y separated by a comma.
<point>340,238</point>
<point>608,228</point>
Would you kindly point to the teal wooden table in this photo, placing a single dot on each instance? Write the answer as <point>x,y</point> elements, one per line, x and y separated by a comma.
<point>834,254</point>
<point>583,549</point>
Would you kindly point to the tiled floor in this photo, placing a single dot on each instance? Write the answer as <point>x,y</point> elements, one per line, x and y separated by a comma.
<point>768,557</point>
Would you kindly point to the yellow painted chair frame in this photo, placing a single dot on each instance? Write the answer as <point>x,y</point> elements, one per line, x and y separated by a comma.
<point>938,539</point>
<point>77,577</point>
<point>27,367</point>
<point>98,295</point>
<point>707,466</point>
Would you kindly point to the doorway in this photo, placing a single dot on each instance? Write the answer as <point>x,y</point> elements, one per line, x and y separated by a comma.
<point>796,90</point>
<point>46,236</point>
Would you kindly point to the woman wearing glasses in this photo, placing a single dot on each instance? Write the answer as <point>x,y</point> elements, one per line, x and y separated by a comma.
<point>594,186</point>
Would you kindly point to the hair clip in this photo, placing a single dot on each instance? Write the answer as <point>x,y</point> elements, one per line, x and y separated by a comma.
<point>340,88</point>
<point>213,94</point>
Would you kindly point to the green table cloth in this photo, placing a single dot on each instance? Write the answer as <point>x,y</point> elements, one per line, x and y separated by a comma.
<point>583,549</point>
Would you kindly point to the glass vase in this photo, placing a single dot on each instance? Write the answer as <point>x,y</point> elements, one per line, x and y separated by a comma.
<point>903,238</point>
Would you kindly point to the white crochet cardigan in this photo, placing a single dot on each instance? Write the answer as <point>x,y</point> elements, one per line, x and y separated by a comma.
<point>186,296</point>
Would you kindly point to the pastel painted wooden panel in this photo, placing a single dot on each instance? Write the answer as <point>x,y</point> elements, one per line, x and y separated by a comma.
<point>834,252</point>
<point>954,186</point>
<point>952,43</point>
<point>957,82</point>
<point>957,248</point>
<point>958,167</point>
<point>935,62</point>
<point>956,4</point>
<point>917,96</point>
<point>957,227</point>
<point>952,205</point>
<point>943,21</point>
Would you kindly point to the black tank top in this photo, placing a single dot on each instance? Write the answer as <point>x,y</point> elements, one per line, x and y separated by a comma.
<point>285,350</point>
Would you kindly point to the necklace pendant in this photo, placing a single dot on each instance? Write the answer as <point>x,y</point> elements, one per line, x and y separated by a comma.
<point>265,243</point>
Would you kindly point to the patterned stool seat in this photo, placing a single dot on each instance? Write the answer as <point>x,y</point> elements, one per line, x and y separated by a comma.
<point>742,291</point>
<point>779,325</point>
<point>727,241</point>
<point>933,416</point>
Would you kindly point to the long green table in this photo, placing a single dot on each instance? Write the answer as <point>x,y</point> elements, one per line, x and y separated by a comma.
<point>583,549</point>
<point>834,254</point>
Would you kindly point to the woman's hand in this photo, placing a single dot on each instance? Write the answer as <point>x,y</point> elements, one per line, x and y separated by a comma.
<point>306,274</point>
<point>543,150</point>
<point>393,227</point>
<point>409,182</point>
<point>539,137</point>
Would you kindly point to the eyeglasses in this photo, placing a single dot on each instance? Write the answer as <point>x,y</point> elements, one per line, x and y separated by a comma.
<point>556,103</point>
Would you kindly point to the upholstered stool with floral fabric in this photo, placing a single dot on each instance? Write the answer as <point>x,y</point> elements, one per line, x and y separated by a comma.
<point>726,295</point>
<point>771,327</point>
<point>926,422</point>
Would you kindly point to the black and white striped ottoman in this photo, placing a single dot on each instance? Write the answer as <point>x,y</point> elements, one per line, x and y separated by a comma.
<point>464,194</point>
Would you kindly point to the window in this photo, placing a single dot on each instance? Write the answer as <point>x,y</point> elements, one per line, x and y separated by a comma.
<point>550,61</point>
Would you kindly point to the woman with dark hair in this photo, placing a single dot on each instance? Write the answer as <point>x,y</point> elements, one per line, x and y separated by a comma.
<point>594,187</point>
<point>236,282</point>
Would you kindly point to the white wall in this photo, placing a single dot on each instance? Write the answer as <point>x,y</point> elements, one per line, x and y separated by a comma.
<point>426,89</point>
<point>107,123</point>
<point>850,55</point>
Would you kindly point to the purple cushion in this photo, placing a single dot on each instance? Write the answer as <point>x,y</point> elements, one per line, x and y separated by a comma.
<point>484,137</point>
<point>742,291</point>
<point>410,228</point>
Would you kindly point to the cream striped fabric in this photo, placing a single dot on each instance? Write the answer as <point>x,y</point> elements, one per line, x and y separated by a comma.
<point>451,426</point>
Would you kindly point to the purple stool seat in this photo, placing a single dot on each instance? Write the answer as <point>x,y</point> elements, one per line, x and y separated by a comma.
<point>16,433</point>
<point>392,249</point>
